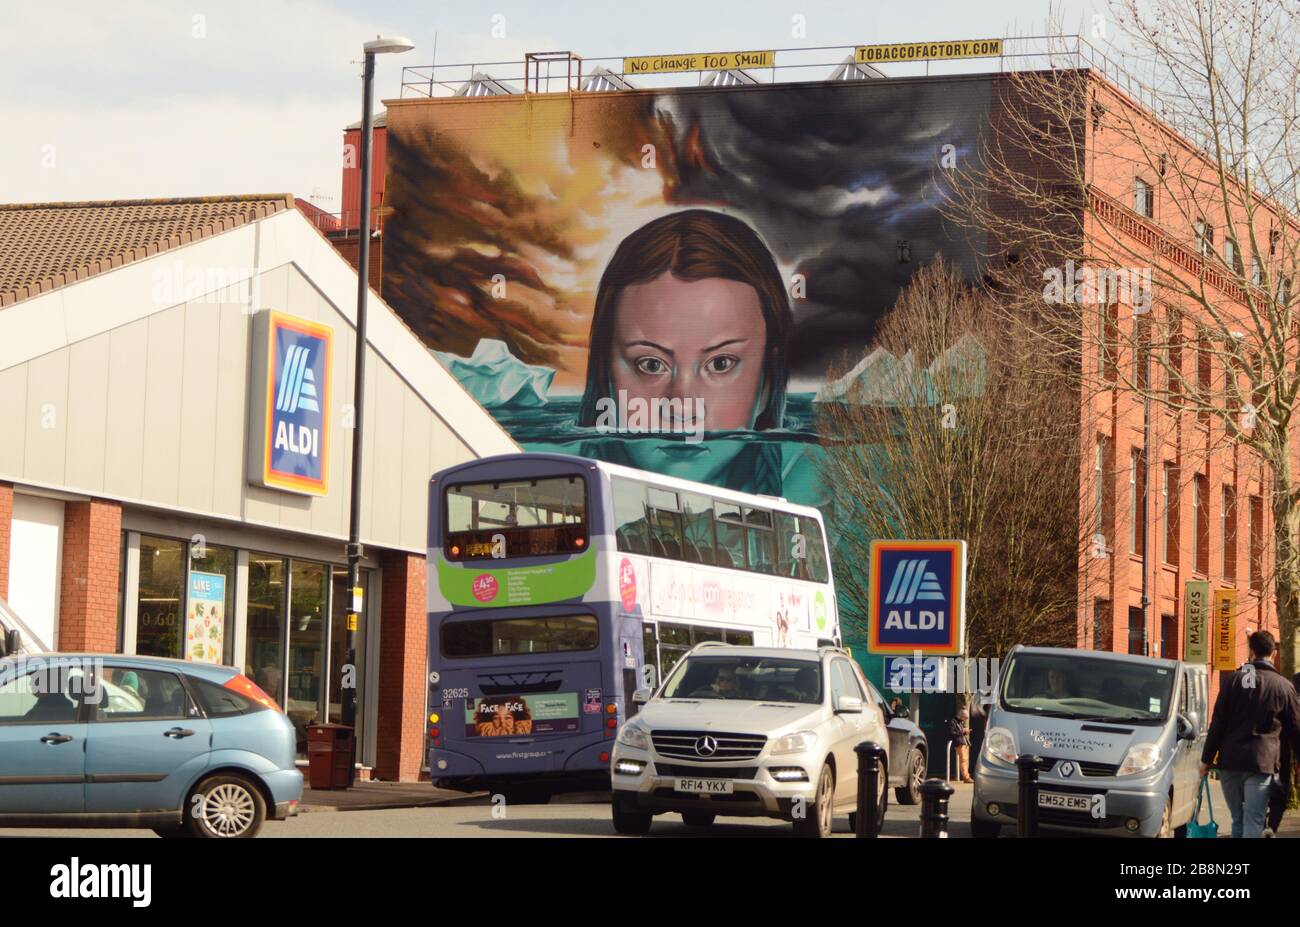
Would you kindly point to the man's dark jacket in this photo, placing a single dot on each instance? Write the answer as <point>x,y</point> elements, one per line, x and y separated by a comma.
<point>1250,719</point>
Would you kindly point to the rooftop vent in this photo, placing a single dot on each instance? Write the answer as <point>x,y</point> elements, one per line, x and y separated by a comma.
<point>484,85</point>
<point>603,79</point>
<point>849,69</point>
<point>733,77</point>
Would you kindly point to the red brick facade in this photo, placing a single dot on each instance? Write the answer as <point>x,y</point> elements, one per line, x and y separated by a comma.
<point>6,529</point>
<point>403,656</point>
<point>88,598</point>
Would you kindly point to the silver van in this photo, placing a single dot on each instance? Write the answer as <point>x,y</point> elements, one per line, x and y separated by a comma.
<point>1118,737</point>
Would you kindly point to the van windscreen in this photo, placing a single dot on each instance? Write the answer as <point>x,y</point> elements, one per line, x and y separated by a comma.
<point>1087,688</point>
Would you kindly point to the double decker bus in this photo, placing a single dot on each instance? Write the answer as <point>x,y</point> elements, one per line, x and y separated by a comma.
<point>559,585</point>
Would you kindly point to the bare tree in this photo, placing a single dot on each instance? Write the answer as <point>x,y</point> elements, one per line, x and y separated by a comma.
<point>942,433</point>
<point>1155,227</point>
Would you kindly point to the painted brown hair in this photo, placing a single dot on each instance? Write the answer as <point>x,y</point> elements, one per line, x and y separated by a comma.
<point>695,244</point>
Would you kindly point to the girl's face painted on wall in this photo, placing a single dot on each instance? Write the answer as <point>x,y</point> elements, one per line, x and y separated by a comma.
<point>698,340</point>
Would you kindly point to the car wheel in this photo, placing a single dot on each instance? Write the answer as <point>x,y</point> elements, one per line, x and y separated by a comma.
<point>225,806</point>
<point>817,820</point>
<point>698,818</point>
<point>984,829</point>
<point>628,820</point>
<point>1166,831</point>
<point>910,794</point>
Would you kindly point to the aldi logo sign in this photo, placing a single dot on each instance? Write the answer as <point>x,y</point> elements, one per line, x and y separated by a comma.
<point>918,597</point>
<point>290,439</point>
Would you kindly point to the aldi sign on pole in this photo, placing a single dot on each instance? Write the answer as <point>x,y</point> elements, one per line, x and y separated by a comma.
<point>918,597</point>
<point>1196,622</point>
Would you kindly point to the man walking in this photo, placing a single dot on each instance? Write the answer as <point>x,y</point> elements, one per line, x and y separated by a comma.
<point>1254,710</point>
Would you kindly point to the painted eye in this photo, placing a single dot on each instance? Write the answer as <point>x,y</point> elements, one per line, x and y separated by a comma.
<point>723,363</point>
<point>651,366</point>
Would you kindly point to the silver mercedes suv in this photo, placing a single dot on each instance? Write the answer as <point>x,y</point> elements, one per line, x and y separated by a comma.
<point>751,731</point>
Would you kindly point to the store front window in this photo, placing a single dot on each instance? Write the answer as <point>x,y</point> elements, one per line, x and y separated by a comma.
<point>161,603</point>
<point>264,651</point>
<point>308,620</point>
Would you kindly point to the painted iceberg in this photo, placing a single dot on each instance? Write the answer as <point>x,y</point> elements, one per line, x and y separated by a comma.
<point>496,378</point>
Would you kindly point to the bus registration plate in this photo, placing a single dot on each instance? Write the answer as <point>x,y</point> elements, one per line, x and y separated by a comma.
<point>704,786</point>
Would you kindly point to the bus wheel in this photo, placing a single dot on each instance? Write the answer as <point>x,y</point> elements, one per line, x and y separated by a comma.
<point>628,820</point>
<point>698,818</point>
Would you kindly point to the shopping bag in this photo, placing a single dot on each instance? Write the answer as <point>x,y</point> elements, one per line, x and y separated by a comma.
<point>1194,827</point>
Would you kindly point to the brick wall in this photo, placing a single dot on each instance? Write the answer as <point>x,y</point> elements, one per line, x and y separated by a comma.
<point>403,637</point>
<point>6,529</point>
<point>92,551</point>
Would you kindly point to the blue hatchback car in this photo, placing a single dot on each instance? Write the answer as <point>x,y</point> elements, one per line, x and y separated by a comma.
<point>101,740</point>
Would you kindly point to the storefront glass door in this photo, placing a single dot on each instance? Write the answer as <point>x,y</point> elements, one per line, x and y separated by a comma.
<point>308,619</point>
<point>264,651</point>
<point>159,622</point>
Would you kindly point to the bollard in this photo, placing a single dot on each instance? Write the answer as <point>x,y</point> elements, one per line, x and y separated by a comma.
<point>1027,813</point>
<point>869,754</point>
<point>934,807</point>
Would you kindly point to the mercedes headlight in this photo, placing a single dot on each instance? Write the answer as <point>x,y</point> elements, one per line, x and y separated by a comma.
<point>633,734</point>
<point>1000,744</point>
<point>1140,758</point>
<point>794,743</point>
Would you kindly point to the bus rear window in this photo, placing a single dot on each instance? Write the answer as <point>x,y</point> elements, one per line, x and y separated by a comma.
<point>496,637</point>
<point>516,518</point>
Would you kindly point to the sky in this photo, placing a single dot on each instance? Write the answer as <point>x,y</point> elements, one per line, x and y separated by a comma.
<point>121,99</point>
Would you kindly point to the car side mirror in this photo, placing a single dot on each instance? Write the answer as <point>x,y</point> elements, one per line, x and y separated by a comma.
<point>10,643</point>
<point>641,696</point>
<point>1188,725</point>
<point>849,705</point>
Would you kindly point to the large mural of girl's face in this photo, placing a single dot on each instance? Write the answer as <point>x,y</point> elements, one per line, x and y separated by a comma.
<point>703,340</point>
<point>692,307</point>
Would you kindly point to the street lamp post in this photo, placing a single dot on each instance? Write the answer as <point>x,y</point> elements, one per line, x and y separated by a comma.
<point>380,46</point>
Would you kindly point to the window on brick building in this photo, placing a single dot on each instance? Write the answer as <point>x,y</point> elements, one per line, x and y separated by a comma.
<point>1174,338</point>
<point>1101,628</point>
<point>1204,379</point>
<point>1103,497</point>
<point>1232,255</point>
<point>1201,513</point>
<point>1204,237</point>
<point>1229,519</point>
<point>1137,631</point>
<point>1144,198</point>
<point>1137,491</point>
<point>1256,271</point>
<point>1169,511</point>
<point>1168,637</point>
<point>1256,529</point>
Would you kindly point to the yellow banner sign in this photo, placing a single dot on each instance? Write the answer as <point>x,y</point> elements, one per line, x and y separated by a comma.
<point>1196,614</point>
<point>1225,629</point>
<point>929,51</point>
<point>709,61</point>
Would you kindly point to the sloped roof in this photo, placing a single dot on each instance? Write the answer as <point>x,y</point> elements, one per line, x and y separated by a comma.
<point>44,246</point>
